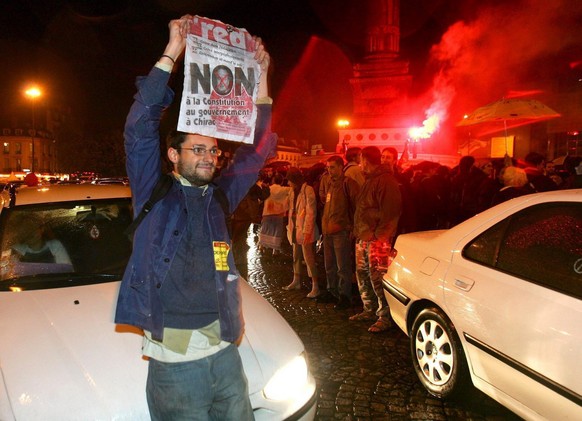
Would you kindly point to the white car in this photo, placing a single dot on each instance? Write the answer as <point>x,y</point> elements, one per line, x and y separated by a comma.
<point>61,355</point>
<point>496,301</point>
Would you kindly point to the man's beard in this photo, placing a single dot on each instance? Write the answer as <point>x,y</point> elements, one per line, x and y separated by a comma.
<point>196,177</point>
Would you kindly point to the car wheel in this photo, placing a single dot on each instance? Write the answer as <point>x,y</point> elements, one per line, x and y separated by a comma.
<point>437,354</point>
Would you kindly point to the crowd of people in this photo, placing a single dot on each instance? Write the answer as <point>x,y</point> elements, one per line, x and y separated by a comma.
<point>358,203</point>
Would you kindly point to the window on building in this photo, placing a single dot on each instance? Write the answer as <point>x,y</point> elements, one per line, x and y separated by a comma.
<point>6,147</point>
<point>18,147</point>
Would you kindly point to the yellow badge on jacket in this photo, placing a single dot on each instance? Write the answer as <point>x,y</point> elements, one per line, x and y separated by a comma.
<point>221,250</point>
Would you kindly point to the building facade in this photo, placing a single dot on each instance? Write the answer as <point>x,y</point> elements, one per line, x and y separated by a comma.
<point>20,154</point>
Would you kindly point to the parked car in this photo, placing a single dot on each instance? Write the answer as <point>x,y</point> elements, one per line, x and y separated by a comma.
<point>496,301</point>
<point>61,355</point>
<point>111,180</point>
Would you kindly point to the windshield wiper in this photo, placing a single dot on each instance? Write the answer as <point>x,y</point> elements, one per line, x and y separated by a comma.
<point>56,280</point>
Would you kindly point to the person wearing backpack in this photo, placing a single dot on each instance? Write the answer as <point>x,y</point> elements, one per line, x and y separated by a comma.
<point>181,285</point>
<point>339,195</point>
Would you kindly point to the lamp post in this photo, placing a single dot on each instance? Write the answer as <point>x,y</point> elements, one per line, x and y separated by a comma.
<point>33,93</point>
<point>342,124</point>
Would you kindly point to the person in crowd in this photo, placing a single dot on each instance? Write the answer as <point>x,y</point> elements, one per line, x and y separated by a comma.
<point>515,184</point>
<point>390,158</point>
<point>274,215</point>
<point>478,189</point>
<point>313,178</point>
<point>489,186</point>
<point>376,217</point>
<point>408,220</point>
<point>577,179</point>
<point>534,168</point>
<point>339,195</point>
<point>181,285</point>
<point>573,168</point>
<point>352,168</point>
<point>302,230</point>
<point>431,191</point>
<point>249,211</point>
<point>549,168</point>
<point>560,178</point>
<point>459,178</point>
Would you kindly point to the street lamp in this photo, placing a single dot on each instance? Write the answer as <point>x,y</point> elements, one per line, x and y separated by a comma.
<point>342,124</point>
<point>33,93</point>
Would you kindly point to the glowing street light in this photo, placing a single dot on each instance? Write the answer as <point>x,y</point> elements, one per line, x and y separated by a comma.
<point>33,93</point>
<point>342,124</point>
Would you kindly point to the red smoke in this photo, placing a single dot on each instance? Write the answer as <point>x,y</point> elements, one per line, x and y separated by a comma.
<point>513,49</point>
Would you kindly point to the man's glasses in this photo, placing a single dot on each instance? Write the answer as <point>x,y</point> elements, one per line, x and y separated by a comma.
<point>201,151</point>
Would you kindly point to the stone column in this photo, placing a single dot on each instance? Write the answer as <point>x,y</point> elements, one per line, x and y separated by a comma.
<point>383,35</point>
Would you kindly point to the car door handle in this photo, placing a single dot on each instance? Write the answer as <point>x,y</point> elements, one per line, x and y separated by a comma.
<point>464,284</point>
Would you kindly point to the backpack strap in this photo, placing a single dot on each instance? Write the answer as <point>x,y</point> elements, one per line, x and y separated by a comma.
<point>351,207</point>
<point>162,187</point>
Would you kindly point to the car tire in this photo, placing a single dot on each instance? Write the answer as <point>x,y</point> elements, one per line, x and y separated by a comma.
<point>437,355</point>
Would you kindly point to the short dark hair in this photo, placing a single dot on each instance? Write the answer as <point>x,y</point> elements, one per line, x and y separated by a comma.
<point>175,138</point>
<point>337,159</point>
<point>534,158</point>
<point>352,153</point>
<point>465,163</point>
<point>372,154</point>
<point>295,176</point>
<point>278,178</point>
<point>392,151</point>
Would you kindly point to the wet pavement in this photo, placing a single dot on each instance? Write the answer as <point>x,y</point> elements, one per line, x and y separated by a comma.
<point>360,375</point>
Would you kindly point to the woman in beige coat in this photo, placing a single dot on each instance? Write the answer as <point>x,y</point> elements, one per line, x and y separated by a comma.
<point>302,230</point>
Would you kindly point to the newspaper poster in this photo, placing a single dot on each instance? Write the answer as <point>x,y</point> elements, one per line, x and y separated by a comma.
<point>220,82</point>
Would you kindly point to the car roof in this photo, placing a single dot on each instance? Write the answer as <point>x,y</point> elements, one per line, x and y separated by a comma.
<point>508,207</point>
<point>69,192</point>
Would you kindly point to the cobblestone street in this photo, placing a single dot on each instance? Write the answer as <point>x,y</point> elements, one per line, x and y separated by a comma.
<point>360,376</point>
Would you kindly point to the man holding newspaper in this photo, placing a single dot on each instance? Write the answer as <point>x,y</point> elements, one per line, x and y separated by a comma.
<point>188,307</point>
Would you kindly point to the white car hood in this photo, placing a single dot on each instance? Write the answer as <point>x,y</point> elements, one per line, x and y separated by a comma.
<point>60,345</point>
<point>62,357</point>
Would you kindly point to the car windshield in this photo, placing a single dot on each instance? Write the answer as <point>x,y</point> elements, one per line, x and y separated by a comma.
<point>64,244</point>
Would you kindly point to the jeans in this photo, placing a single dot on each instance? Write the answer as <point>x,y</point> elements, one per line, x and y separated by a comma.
<point>371,264</point>
<point>212,388</point>
<point>337,255</point>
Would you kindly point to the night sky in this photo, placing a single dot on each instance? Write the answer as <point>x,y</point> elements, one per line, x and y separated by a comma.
<point>87,54</point>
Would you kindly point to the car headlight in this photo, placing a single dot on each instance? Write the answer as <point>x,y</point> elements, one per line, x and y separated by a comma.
<point>289,381</point>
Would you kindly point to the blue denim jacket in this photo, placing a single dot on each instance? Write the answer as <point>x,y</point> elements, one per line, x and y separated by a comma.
<point>157,237</point>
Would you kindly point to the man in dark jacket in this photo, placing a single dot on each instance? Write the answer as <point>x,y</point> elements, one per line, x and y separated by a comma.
<point>375,222</point>
<point>535,164</point>
<point>339,195</point>
<point>181,285</point>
